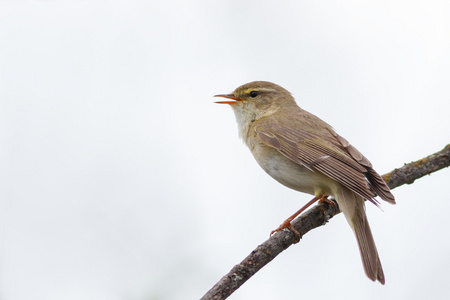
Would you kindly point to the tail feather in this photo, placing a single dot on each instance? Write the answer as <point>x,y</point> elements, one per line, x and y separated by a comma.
<point>352,205</point>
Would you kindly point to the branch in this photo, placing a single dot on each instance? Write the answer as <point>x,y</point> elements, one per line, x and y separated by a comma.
<point>315,217</point>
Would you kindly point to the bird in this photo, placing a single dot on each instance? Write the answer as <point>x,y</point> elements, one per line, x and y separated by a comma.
<point>304,153</point>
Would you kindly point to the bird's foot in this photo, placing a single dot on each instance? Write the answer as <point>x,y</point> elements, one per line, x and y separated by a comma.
<point>287,224</point>
<point>326,200</point>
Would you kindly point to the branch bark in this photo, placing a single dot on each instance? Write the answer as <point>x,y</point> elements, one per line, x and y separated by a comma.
<point>315,217</point>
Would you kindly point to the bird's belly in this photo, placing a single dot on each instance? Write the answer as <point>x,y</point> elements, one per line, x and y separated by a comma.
<point>293,175</point>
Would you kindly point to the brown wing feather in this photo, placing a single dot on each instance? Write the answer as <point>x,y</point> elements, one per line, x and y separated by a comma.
<point>336,158</point>
<point>377,184</point>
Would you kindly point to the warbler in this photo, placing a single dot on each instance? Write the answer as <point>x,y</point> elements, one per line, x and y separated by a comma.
<point>304,153</point>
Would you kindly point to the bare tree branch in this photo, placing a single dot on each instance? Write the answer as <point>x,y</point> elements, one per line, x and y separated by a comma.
<point>315,217</point>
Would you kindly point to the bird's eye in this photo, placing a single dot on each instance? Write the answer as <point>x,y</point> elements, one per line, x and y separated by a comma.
<point>253,94</point>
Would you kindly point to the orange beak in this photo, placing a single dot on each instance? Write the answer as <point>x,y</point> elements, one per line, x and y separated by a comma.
<point>228,96</point>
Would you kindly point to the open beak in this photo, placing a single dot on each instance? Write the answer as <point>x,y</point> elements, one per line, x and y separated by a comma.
<point>228,96</point>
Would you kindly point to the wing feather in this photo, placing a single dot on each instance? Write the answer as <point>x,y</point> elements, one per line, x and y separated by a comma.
<point>336,158</point>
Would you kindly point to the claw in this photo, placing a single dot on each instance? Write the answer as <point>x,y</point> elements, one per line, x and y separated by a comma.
<point>288,225</point>
<point>331,202</point>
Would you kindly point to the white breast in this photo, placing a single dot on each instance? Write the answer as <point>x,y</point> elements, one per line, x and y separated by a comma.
<point>285,171</point>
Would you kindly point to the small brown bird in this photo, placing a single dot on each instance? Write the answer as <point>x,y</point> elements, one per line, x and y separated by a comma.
<point>304,153</point>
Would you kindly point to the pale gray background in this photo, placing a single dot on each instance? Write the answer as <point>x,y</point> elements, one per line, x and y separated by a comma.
<point>120,179</point>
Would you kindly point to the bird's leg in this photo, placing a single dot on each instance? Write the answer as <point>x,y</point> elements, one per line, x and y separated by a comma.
<point>287,222</point>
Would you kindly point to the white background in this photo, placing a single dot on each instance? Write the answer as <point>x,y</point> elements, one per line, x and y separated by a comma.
<point>120,179</point>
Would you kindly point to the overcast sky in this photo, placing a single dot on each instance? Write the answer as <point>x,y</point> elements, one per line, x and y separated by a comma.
<point>121,179</point>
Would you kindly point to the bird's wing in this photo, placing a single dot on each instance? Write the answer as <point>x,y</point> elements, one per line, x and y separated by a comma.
<point>335,158</point>
<point>376,182</point>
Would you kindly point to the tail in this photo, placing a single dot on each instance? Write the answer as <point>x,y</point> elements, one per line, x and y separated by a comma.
<point>352,205</point>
